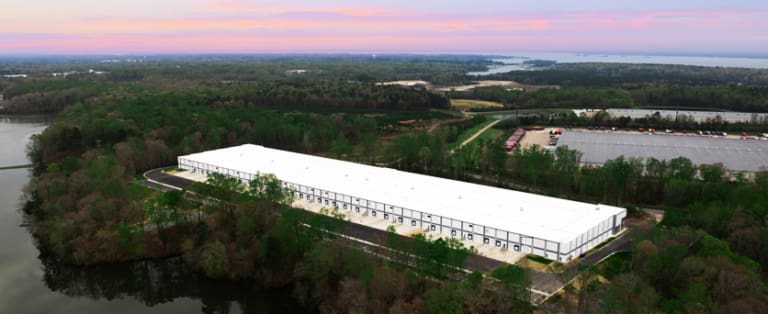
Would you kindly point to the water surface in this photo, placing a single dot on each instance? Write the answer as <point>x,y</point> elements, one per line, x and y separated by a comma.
<point>31,282</point>
<point>516,63</point>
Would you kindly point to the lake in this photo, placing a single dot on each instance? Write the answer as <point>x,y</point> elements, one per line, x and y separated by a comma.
<point>516,63</point>
<point>34,282</point>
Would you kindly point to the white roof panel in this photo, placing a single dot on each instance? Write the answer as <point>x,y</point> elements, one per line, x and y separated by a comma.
<point>734,154</point>
<point>534,215</point>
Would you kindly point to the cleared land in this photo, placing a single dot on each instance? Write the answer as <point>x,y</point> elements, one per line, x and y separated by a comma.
<point>489,135</point>
<point>406,83</point>
<point>473,132</point>
<point>510,85</point>
<point>540,138</point>
<point>512,113</point>
<point>486,134</point>
<point>467,104</point>
<point>734,154</point>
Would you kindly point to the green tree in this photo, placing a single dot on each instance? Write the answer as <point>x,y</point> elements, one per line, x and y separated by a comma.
<point>214,259</point>
<point>516,283</point>
<point>627,293</point>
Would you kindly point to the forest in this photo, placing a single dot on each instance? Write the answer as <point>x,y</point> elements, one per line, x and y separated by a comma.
<point>684,97</point>
<point>708,254</point>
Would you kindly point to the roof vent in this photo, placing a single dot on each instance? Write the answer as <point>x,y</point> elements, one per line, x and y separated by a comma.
<point>597,207</point>
<point>521,208</point>
<point>412,188</point>
<point>459,196</point>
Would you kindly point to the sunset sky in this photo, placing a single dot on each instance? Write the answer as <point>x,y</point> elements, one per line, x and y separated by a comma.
<point>487,26</point>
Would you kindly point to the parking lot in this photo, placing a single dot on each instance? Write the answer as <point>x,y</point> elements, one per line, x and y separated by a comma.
<point>735,154</point>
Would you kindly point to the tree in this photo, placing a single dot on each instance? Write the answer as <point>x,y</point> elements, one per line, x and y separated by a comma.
<point>131,238</point>
<point>681,168</point>
<point>566,165</point>
<point>228,190</point>
<point>516,282</point>
<point>159,214</point>
<point>341,147</point>
<point>368,143</point>
<point>172,200</point>
<point>711,173</point>
<point>627,293</point>
<point>445,299</point>
<point>214,259</point>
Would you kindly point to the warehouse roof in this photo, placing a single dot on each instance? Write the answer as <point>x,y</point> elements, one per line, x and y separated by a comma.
<point>539,216</point>
<point>735,154</point>
<point>699,116</point>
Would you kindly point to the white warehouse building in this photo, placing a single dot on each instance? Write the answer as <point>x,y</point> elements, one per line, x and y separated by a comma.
<point>520,222</point>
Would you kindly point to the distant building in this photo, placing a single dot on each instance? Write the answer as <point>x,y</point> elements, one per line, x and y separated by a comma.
<point>296,71</point>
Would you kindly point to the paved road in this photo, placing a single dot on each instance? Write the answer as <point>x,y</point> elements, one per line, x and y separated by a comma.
<point>158,175</point>
<point>621,244</point>
<point>155,186</point>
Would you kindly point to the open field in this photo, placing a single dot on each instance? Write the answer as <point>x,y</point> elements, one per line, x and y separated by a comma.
<point>472,131</point>
<point>540,138</point>
<point>410,83</point>
<point>484,131</point>
<point>467,104</point>
<point>489,135</point>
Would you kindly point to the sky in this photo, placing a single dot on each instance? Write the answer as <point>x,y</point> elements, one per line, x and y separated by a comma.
<point>392,26</point>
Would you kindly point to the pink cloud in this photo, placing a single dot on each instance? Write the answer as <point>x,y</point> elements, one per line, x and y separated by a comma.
<point>554,22</point>
<point>238,6</point>
<point>242,27</point>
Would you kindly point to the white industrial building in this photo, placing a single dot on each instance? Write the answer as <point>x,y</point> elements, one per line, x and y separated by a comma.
<point>519,222</point>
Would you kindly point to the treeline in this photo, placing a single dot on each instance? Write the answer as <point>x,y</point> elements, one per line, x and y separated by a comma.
<point>438,69</point>
<point>617,74</point>
<point>682,123</point>
<point>733,98</point>
<point>328,95</point>
<point>671,270</point>
<point>325,96</point>
<point>48,96</point>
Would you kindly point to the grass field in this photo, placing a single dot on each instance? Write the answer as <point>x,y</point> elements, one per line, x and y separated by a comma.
<point>471,131</point>
<point>466,104</point>
<point>489,135</point>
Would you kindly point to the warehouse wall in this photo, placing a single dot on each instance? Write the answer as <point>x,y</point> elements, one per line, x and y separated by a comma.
<point>396,215</point>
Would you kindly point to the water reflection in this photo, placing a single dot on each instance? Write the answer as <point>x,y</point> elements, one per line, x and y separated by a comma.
<point>155,282</point>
